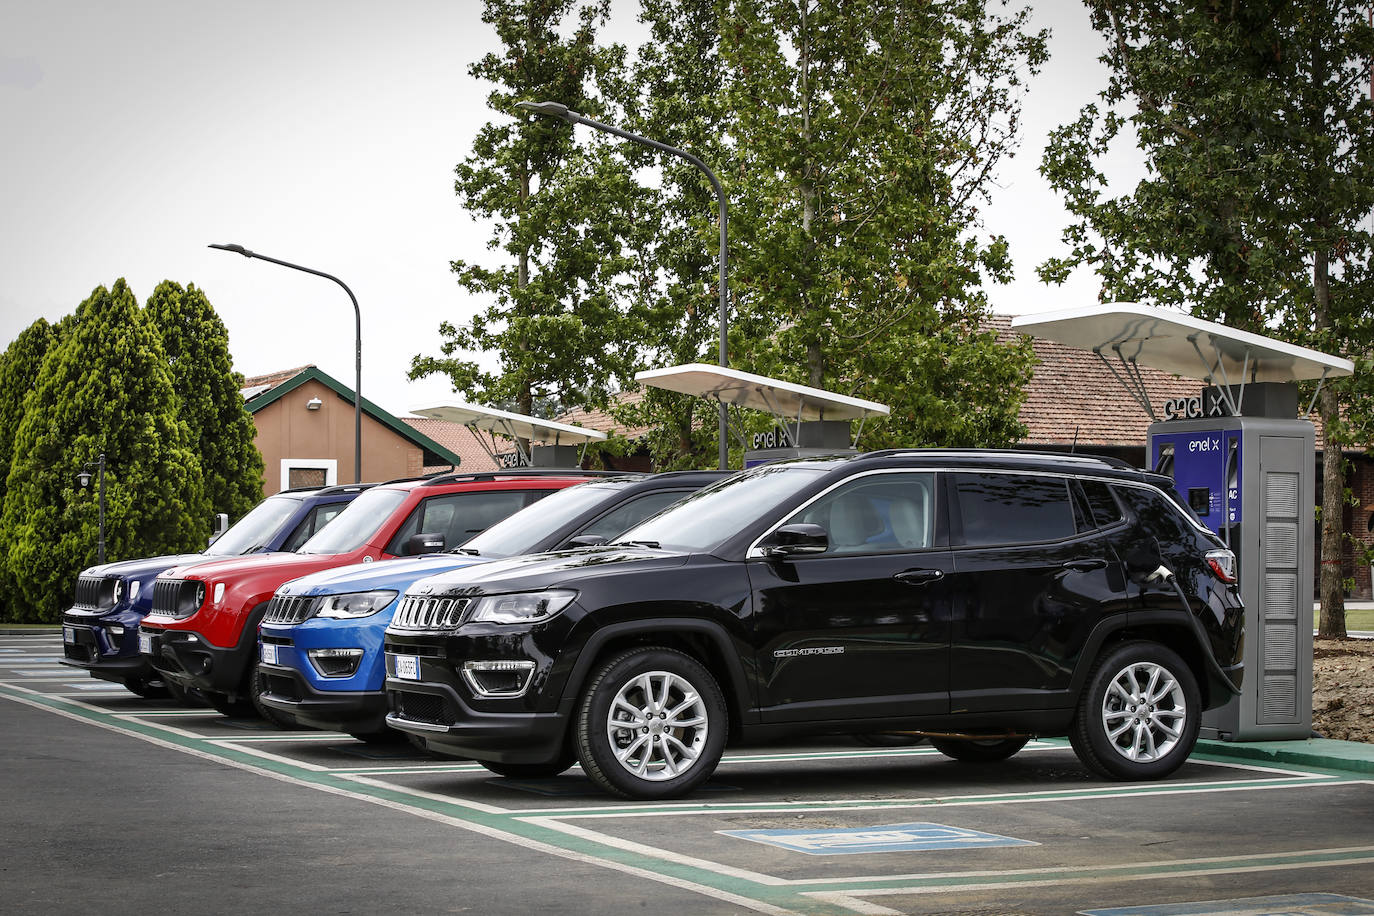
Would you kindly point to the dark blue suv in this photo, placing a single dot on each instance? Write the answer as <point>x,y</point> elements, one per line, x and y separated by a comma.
<point>100,630</point>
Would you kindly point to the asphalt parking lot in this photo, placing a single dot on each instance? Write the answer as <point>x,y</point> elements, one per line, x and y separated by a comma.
<point>116,804</point>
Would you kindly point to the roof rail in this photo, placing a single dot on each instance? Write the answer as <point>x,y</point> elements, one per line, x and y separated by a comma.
<point>515,472</point>
<point>329,488</point>
<point>1076,458</point>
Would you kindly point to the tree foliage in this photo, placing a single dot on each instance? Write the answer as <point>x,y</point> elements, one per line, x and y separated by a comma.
<point>105,388</point>
<point>19,368</point>
<point>208,390</point>
<point>1258,139</point>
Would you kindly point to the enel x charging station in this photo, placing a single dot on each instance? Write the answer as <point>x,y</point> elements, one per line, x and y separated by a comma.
<point>1245,463</point>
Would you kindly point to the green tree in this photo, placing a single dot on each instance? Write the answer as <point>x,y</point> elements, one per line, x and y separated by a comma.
<point>202,372</point>
<point>554,302</point>
<point>1258,141</point>
<point>19,368</point>
<point>867,139</point>
<point>105,388</point>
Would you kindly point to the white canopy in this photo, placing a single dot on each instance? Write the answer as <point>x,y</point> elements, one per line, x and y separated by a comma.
<point>744,389</point>
<point>504,423</point>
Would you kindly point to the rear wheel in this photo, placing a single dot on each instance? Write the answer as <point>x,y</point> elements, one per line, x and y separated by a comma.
<point>1139,716</point>
<point>651,724</point>
<point>979,750</point>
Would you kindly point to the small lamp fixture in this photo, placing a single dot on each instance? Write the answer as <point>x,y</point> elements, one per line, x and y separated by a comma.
<point>313,404</point>
<point>83,478</point>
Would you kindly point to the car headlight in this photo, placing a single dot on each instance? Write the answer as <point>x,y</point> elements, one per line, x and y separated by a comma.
<point>354,604</point>
<point>133,590</point>
<point>119,591</point>
<point>523,607</point>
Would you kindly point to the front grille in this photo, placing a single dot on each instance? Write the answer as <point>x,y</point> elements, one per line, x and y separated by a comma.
<point>95,592</point>
<point>424,707</point>
<point>177,597</point>
<point>289,609</point>
<point>418,613</point>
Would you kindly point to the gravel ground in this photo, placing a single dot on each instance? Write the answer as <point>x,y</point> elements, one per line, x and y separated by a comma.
<point>1343,689</point>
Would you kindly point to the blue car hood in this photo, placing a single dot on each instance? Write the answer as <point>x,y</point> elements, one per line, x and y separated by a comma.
<point>387,574</point>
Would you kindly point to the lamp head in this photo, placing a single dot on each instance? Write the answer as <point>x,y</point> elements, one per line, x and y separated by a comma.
<point>83,478</point>
<point>550,110</point>
<point>237,249</point>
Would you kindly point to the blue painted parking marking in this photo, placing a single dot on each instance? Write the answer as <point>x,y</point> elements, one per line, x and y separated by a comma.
<point>918,837</point>
<point>1283,905</point>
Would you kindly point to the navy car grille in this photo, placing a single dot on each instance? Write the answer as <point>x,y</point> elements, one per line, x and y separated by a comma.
<point>424,707</point>
<point>177,597</point>
<point>95,592</point>
<point>419,613</point>
<point>289,609</point>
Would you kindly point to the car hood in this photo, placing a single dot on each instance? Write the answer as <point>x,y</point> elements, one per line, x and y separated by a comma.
<point>548,570</point>
<point>229,567</point>
<point>361,577</point>
<point>144,566</point>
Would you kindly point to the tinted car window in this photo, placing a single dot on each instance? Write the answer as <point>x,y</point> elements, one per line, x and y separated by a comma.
<point>1013,508</point>
<point>255,530</point>
<point>876,513</point>
<point>632,513</point>
<point>522,531</point>
<point>1156,513</point>
<point>1104,507</point>
<point>459,516</point>
<point>356,524</point>
<point>317,519</point>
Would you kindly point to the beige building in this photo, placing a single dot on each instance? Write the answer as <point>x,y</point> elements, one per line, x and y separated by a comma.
<point>305,422</point>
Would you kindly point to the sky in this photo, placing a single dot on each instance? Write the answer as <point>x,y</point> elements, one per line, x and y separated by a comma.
<point>325,134</point>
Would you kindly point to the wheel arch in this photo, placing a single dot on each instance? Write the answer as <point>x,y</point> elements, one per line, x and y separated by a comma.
<point>1169,628</point>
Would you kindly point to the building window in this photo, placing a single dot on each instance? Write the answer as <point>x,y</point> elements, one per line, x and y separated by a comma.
<point>308,472</point>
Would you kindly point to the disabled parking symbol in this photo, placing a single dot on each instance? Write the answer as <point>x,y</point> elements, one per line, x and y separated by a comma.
<point>918,837</point>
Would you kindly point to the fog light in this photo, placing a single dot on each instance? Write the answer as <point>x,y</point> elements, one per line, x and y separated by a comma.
<point>114,637</point>
<point>335,662</point>
<point>498,678</point>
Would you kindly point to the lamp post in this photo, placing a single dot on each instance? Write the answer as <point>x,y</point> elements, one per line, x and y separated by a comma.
<point>357,354</point>
<point>564,113</point>
<point>83,477</point>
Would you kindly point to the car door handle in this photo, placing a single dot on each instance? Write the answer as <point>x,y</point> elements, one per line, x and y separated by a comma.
<point>919,576</point>
<point>1087,564</point>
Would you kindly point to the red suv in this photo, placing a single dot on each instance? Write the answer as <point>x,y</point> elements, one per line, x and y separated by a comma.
<point>202,631</point>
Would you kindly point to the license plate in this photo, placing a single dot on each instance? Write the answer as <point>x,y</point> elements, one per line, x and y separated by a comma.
<point>408,667</point>
<point>269,654</point>
<point>145,643</point>
<point>68,634</point>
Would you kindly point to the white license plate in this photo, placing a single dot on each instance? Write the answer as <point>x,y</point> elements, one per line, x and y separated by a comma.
<point>145,643</point>
<point>68,634</point>
<point>269,654</point>
<point>408,667</point>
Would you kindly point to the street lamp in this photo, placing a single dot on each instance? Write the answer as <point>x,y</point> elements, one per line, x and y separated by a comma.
<point>357,355</point>
<point>564,113</point>
<point>83,477</point>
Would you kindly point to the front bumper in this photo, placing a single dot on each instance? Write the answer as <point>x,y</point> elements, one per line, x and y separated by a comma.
<point>89,643</point>
<point>186,659</point>
<point>285,689</point>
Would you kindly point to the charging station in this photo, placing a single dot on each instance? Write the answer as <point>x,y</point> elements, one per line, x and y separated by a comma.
<point>530,441</point>
<point>809,421</point>
<point>1245,463</point>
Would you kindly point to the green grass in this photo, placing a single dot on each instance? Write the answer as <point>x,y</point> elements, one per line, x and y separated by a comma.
<point>27,626</point>
<point>1359,619</point>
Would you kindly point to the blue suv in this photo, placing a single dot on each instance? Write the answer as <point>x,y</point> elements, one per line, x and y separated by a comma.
<point>321,639</point>
<point>100,630</point>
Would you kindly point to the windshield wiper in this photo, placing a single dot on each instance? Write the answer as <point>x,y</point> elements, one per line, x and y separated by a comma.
<point>467,550</point>
<point>651,544</point>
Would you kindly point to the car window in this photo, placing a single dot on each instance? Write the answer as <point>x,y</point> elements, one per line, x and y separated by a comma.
<point>632,513</point>
<point>876,513</point>
<point>313,522</point>
<point>1106,511</point>
<point>256,529</point>
<point>521,532</point>
<point>459,516</point>
<point>357,523</point>
<point>1013,508</point>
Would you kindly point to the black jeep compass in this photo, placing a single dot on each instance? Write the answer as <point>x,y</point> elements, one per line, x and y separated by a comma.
<point>981,597</point>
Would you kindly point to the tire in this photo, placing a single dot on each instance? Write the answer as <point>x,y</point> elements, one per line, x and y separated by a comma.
<point>235,709</point>
<point>531,770</point>
<point>385,736</point>
<point>1138,717</point>
<point>684,736</point>
<point>419,743</point>
<point>272,716</point>
<point>979,750</point>
<point>145,688</point>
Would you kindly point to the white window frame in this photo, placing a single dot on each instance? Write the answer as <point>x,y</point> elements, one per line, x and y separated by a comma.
<point>330,466</point>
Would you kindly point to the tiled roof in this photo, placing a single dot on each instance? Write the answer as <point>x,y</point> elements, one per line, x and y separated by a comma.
<point>602,420</point>
<point>273,379</point>
<point>458,439</point>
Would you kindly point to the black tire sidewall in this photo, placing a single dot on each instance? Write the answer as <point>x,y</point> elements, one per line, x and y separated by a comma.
<point>594,749</point>
<point>1091,736</point>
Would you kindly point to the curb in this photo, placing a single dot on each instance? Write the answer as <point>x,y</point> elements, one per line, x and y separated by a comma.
<point>1326,753</point>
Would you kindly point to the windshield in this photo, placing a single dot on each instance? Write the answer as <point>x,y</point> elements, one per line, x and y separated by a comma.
<point>708,517</point>
<point>519,533</point>
<point>355,526</point>
<point>256,529</point>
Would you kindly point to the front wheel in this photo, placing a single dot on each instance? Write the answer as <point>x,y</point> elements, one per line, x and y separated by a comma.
<point>272,716</point>
<point>651,724</point>
<point>979,750</point>
<point>1138,717</point>
<point>148,689</point>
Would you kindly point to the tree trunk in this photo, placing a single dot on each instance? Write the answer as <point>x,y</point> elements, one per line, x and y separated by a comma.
<point>1333,477</point>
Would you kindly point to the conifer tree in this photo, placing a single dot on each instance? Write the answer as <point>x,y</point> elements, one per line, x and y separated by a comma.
<point>105,388</point>
<point>19,368</point>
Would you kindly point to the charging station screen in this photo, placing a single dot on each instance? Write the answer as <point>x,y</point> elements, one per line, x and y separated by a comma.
<point>1206,470</point>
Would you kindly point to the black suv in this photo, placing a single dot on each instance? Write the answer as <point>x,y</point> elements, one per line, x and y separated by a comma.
<point>982,597</point>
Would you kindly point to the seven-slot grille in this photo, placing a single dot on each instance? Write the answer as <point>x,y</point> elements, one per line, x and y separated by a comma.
<point>289,609</point>
<point>419,613</point>
<point>94,592</point>
<point>177,597</point>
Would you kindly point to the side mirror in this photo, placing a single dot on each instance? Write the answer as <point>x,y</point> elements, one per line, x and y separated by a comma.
<point>1144,562</point>
<point>221,526</point>
<point>584,540</point>
<point>797,538</point>
<point>417,544</point>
